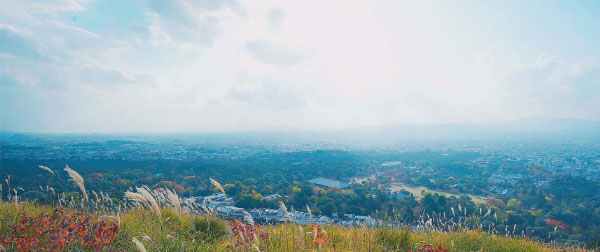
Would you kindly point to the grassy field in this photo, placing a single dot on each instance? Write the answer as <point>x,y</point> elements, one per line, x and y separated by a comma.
<point>169,229</point>
<point>417,192</point>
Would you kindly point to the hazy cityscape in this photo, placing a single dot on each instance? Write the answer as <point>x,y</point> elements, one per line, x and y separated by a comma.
<point>303,169</point>
<point>267,126</point>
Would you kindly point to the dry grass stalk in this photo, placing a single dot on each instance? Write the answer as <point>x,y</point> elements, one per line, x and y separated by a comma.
<point>489,211</point>
<point>175,201</point>
<point>78,180</point>
<point>138,245</point>
<point>248,218</point>
<point>147,238</point>
<point>218,186</point>
<point>149,198</point>
<point>46,169</point>
<point>7,180</point>
<point>137,197</point>
<point>282,206</point>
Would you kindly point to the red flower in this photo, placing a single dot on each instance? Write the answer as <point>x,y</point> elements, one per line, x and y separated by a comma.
<point>53,231</point>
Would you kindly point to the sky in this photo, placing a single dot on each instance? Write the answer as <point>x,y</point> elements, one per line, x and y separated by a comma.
<point>112,66</point>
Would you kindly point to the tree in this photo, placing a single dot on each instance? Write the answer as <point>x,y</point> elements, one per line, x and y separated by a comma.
<point>513,203</point>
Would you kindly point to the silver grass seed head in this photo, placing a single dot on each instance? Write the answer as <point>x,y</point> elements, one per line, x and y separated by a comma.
<point>138,245</point>
<point>78,180</point>
<point>45,168</point>
<point>218,186</point>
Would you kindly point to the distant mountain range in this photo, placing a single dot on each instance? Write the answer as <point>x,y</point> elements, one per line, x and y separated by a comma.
<point>542,126</point>
<point>546,124</point>
<point>516,128</point>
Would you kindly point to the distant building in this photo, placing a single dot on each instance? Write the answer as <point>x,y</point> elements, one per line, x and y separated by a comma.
<point>325,182</point>
<point>229,210</point>
<point>215,197</point>
<point>323,220</point>
<point>359,219</point>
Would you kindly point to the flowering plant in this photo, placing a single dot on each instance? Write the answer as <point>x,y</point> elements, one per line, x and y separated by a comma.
<point>59,230</point>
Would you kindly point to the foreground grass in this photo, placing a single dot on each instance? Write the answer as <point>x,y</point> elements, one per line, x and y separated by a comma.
<point>171,231</point>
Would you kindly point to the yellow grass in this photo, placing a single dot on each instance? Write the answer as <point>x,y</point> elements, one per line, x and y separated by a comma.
<point>171,233</point>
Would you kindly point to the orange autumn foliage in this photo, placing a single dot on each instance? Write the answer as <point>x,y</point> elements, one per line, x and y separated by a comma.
<point>58,230</point>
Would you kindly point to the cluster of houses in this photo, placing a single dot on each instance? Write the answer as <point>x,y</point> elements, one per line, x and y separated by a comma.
<point>224,207</point>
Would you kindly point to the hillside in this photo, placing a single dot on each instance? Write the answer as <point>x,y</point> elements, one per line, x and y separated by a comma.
<point>157,223</point>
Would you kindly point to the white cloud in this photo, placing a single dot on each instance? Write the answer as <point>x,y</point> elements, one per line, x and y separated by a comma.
<point>271,53</point>
<point>224,65</point>
<point>17,7</point>
<point>158,36</point>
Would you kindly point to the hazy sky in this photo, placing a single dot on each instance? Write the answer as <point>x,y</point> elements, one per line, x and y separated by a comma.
<point>192,66</point>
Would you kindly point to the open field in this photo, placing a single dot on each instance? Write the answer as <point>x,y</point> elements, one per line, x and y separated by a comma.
<point>417,192</point>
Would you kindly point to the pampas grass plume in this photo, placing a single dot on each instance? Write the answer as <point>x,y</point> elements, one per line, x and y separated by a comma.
<point>46,169</point>
<point>282,206</point>
<point>149,198</point>
<point>218,186</point>
<point>175,201</point>
<point>137,197</point>
<point>138,245</point>
<point>78,180</point>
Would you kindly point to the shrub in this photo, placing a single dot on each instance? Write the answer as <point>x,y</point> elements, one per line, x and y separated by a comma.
<point>209,228</point>
<point>557,223</point>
